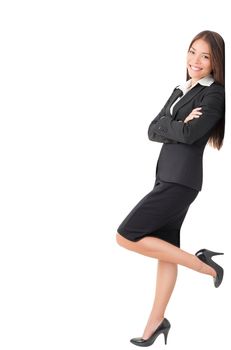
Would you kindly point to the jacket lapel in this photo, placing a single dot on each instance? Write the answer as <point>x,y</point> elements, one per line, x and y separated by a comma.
<point>186,98</point>
<point>175,95</point>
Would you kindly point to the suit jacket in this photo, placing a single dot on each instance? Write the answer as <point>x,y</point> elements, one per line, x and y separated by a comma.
<point>181,156</point>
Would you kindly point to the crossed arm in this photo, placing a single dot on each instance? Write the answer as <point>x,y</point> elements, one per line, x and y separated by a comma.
<point>198,123</point>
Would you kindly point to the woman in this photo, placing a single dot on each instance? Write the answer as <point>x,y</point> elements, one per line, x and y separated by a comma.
<point>192,116</point>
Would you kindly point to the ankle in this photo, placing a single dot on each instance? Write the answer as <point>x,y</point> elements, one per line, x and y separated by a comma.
<point>152,325</point>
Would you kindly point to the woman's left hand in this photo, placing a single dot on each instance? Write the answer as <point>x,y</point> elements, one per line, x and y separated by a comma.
<point>196,113</point>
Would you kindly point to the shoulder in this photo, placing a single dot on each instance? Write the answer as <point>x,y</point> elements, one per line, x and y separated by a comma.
<point>215,87</point>
<point>214,91</point>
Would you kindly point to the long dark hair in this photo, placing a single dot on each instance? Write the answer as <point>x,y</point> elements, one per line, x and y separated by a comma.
<point>217,46</point>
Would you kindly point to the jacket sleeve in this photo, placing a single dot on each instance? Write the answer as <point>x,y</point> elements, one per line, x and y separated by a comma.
<point>213,107</point>
<point>152,135</point>
<point>161,139</point>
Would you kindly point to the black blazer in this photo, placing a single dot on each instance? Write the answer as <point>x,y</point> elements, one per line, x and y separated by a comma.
<point>181,156</point>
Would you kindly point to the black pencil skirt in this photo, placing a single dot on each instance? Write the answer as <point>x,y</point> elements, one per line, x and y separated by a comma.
<point>159,214</point>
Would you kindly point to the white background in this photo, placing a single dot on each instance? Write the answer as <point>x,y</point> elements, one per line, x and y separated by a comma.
<point>80,83</point>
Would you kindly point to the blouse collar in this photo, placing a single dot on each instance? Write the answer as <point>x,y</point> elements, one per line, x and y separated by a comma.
<point>206,81</point>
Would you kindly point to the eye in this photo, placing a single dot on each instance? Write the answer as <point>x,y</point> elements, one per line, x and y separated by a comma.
<point>191,52</point>
<point>206,57</point>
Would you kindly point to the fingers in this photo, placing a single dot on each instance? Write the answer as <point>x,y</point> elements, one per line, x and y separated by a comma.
<point>191,117</point>
<point>196,113</point>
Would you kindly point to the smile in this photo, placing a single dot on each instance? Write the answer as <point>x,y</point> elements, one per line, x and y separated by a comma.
<point>195,68</point>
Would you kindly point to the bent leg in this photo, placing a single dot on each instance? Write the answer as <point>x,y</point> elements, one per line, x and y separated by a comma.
<point>164,251</point>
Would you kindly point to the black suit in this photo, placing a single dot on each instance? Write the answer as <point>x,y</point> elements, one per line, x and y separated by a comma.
<point>162,211</point>
<point>180,159</point>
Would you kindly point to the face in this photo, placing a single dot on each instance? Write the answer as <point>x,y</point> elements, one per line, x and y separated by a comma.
<point>199,60</point>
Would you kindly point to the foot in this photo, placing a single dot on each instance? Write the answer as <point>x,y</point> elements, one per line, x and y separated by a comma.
<point>164,328</point>
<point>216,270</point>
<point>204,268</point>
<point>152,325</point>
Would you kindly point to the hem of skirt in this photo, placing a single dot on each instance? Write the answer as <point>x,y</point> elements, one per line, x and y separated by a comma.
<point>126,235</point>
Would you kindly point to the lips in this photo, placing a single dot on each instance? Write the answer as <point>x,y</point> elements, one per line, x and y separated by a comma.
<point>196,69</point>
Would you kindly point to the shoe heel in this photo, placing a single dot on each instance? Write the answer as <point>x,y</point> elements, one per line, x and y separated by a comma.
<point>166,335</point>
<point>208,253</point>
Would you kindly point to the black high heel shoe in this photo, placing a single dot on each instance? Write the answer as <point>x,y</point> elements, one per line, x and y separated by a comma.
<point>205,255</point>
<point>163,328</point>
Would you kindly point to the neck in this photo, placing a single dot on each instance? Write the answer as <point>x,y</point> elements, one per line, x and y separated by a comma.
<point>193,82</point>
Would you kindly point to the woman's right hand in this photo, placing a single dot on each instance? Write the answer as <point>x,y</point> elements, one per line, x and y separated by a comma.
<point>196,113</point>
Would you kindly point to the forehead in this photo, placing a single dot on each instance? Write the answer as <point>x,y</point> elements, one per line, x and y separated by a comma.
<point>201,46</point>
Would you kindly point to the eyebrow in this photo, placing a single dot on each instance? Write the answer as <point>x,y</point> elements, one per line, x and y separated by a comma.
<point>204,53</point>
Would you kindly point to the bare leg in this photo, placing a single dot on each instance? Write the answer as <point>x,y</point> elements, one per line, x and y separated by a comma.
<point>165,283</point>
<point>164,251</point>
<point>169,256</point>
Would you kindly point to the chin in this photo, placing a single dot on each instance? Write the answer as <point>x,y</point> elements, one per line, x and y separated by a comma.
<point>194,75</point>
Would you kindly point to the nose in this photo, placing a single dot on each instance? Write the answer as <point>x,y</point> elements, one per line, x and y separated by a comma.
<point>196,59</point>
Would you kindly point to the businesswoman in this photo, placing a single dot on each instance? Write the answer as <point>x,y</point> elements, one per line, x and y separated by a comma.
<point>193,116</point>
